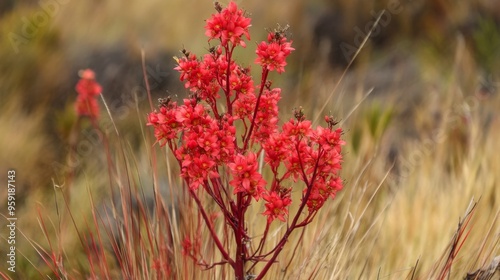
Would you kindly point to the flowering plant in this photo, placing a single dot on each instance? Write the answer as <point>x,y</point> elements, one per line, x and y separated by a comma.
<point>227,124</point>
<point>88,89</point>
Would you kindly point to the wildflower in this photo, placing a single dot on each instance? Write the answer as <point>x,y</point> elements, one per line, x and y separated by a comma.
<point>208,142</point>
<point>225,132</point>
<point>165,123</point>
<point>229,25</point>
<point>266,119</point>
<point>334,185</point>
<point>240,81</point>
<point>315,201</point>
<point>295,128</point>
<point>215,155</point>
<point>293,166</point>
<point>87,89</point>
<point>271,55</point>
<point>244,105</point>
<point>190,71</point>
<point>276,206</point>
<point>246,178</point>
<point>329,138</point>
<point>87,107</point>
<point>277,149</point>
<point>191,113</point>
<point>198,169</point>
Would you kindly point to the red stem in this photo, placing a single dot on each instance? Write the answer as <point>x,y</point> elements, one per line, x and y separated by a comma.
<point>263,80</point>
<point>239,235</point>
<point>260,247</point>
<point>229,54</point>
<point>225,255</point>
<point>292,227</point>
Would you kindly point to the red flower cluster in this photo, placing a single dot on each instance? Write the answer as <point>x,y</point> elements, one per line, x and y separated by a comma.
<point>229,25</point>
<point>266,119</point>
<point>204,141</point>
<point>88,89</point>
<point>272,54</point>
<point>207,142</point>
<point>246,178</point>
<point>229,126</point>
<point>276,206</point>
<point>309,155</point>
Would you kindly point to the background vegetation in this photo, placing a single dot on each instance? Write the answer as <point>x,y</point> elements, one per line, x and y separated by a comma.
<point>419,107</point>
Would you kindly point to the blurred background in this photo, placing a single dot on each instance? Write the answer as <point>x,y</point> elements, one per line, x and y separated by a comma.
<point>419,104</point>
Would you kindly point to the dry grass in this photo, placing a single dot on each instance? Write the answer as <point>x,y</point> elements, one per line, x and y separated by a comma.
<point>421,150</point>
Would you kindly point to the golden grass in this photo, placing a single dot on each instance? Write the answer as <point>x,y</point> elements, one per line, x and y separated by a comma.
<point>379,226</point>
<point>393,220</point>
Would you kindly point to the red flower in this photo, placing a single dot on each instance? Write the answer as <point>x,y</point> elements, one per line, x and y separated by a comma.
<point>329,138</point>
<point>87,106</point>
<point>87,86</point>
<point>276,206</point>
<point>277,149</point>
<point>229,26</point>
<point>244,106</point>
<point>334,185</point>
<point>296,128</point>
<point>293,167</point>
<point>246,178</point>
<point>165,124</point>
<point>215,154</point>
<point>315,201</point>
<point>208,141</point>
<point>225,132</point>
<point>267,115</point>
<point>198,169</point>
<point>87,89</point>
<point>190,113</point>
<point>272,55</point>
<point>240,82</point>
<point>190,70</point>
